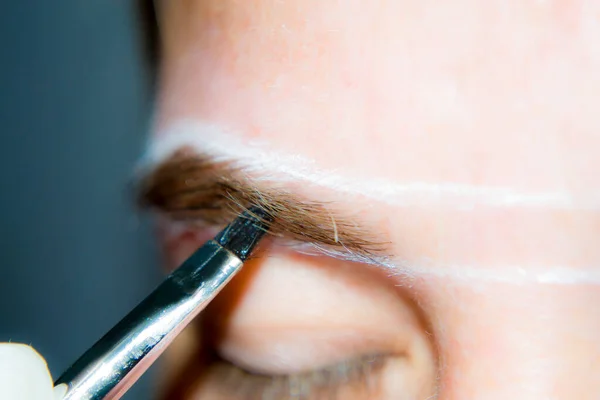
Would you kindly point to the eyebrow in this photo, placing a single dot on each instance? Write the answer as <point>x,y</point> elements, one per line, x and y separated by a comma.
<point>201,190</point>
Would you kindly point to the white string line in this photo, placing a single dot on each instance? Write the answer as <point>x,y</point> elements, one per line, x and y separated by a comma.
<point>510,274</point>
<point>272,166</point>
<point>506,274</point>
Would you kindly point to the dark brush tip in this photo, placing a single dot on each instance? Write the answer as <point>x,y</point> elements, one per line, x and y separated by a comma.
<point>243,234</point>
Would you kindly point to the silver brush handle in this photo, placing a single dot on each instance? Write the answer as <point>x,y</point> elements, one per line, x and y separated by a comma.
<point>110,367</point>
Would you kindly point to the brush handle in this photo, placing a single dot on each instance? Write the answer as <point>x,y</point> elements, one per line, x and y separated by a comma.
<point>112,365</point>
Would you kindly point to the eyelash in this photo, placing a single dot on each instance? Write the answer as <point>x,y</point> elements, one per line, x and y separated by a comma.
<point>361,375</point>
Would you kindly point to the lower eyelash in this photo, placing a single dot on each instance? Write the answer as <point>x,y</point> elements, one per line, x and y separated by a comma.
<point>359,376</point>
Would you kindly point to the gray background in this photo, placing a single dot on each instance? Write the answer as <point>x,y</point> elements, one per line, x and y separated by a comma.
<point>75,101</point>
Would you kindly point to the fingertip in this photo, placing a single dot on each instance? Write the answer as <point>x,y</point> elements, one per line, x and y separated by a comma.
<point>60,391</point>
<point>24,373</point>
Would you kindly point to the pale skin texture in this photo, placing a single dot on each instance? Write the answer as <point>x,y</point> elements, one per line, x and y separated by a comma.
<point>490,93</point>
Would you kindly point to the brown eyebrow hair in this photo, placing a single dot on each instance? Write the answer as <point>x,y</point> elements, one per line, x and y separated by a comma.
<point>195,188</point>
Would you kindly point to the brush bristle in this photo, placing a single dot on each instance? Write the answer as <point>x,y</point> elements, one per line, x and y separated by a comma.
<point>243,234</point>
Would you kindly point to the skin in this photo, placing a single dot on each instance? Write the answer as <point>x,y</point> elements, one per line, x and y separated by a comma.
<point>487,94</point>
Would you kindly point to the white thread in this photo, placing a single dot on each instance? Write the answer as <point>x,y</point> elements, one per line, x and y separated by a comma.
<point>506,274</point>
<point>510,274</point>
<point>257,157</point>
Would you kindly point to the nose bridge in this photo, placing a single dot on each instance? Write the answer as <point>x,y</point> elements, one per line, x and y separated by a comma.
<point>534,342</point>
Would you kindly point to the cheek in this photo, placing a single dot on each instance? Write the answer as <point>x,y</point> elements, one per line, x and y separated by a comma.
<point>507,340</point>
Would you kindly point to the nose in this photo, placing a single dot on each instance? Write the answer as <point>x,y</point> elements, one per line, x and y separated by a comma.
<point>513,342</point>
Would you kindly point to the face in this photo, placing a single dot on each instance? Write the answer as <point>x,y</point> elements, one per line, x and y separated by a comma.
<point>461,137</point>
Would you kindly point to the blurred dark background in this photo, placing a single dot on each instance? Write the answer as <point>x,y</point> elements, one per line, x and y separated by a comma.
<point>75,104</point>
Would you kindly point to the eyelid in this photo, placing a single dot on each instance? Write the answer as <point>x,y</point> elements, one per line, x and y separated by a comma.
<point>293,351</point>
<point>272,343</point>
<point>300,312</point>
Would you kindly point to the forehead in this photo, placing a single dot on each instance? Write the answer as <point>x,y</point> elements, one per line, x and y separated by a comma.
<point>383,98</point>
<point>493,140</point>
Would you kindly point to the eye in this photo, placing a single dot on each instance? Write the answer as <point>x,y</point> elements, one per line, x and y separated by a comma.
<point>304,327</point>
